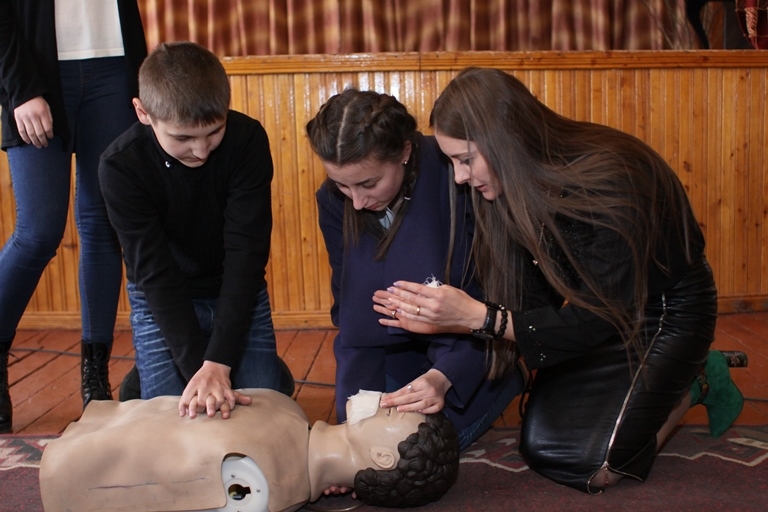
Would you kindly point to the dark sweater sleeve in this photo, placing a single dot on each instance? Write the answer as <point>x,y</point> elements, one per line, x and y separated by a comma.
<point>130,193</point>
<point>548,335</point>
<point>247,232</point>
<point>464,363</point>
<point>330,218</point>
<point>20,79</point>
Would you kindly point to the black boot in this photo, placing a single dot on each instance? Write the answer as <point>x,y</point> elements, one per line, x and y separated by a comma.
<point>94,372</point>
<point>287,383</point>
<point>6,408</point>
<point>130,387</point>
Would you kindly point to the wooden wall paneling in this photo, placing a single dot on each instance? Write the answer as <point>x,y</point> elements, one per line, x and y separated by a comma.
<point>614,106</point>
<point>669,145</point>
<point>593,97</point>
<point>740,104</point>
<point>569,81</point>
<point>705,112</point>
<point>712,120</point>
<point>315,280</point>
<point>277,273</point>
<point>287,252</point>
<point>754,143</point>
<point>240,102</point>
<point>622,84</point>
<point>545,84</point>
<point>405,90</point>
<point>319,88</point>
<point>719,95</point>
<point>68,296</point>
<point>759,151</point>
<point>730,242</point>
<point>656,113</point>
<point>310,246</point>
<point>640,103</point>
<point>7,203</point>
<point>696,149</point>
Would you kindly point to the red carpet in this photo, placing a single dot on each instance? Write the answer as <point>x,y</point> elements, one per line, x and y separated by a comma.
<point>694,472</point>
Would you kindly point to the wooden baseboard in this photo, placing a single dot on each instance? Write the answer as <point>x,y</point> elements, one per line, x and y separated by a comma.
<point>742,304</point>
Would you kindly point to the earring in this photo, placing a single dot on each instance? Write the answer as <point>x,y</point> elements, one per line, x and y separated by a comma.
<point>405,163</point>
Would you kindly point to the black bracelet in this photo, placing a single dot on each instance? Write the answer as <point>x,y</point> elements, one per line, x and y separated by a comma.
<point>503,323</point>
<point>486,332</point>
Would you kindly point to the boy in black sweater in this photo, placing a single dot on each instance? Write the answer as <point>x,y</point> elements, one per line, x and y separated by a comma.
<point>188,190</point>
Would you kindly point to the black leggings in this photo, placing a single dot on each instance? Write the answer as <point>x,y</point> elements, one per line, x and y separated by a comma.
<point>605,408</point>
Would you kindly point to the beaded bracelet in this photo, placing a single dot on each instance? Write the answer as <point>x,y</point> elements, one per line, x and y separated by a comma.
<point>503,323</point>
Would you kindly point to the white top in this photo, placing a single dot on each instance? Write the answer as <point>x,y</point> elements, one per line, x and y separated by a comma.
<point>88,29</point>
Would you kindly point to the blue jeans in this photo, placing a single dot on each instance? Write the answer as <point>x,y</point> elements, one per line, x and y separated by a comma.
<point>258,367</point>
<point>98,105</point>
<point>513,386</point>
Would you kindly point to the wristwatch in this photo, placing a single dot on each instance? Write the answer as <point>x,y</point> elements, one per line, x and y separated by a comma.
<point>486,332</point>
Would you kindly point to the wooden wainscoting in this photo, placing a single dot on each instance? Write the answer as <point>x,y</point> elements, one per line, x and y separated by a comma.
<point>705,111</point>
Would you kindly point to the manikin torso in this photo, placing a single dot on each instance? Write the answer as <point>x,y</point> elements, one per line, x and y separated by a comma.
<point>140,455</point>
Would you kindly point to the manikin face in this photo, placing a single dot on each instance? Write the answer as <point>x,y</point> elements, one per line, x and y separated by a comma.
<point>370,183</point>
<point>469,166</point>
<point>375,438</point>
<point>190,145</point>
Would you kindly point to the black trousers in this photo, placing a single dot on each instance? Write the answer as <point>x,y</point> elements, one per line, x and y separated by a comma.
<point>605,408</point>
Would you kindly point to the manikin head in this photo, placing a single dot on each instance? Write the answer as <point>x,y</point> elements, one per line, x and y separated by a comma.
<point>396,459</point>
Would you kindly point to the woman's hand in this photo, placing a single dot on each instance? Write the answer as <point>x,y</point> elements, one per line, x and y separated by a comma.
<point>210,390</point>
<point>34,122</point>
<point>427,310</point>
<point>425,394</point>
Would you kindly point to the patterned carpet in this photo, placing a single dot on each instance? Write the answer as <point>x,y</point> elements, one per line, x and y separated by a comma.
<point>693,472</point>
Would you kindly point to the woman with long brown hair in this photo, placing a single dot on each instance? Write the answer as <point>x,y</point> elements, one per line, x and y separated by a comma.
<point>600,220</point>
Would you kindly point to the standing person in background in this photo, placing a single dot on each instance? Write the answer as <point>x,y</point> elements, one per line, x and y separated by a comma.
<point>68,71</point>
<point>188,190</point>
<point>602,221</point>
<point>385,214</point>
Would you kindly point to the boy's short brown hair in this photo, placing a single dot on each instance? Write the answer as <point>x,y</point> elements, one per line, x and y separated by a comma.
<point>184,83</point>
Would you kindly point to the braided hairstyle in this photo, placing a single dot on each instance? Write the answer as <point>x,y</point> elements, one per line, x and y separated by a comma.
<point>428,467</point>
<point>356,125</point>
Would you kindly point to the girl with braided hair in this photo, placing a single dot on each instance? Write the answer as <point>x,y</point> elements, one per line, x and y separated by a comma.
<point>385,213</point>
